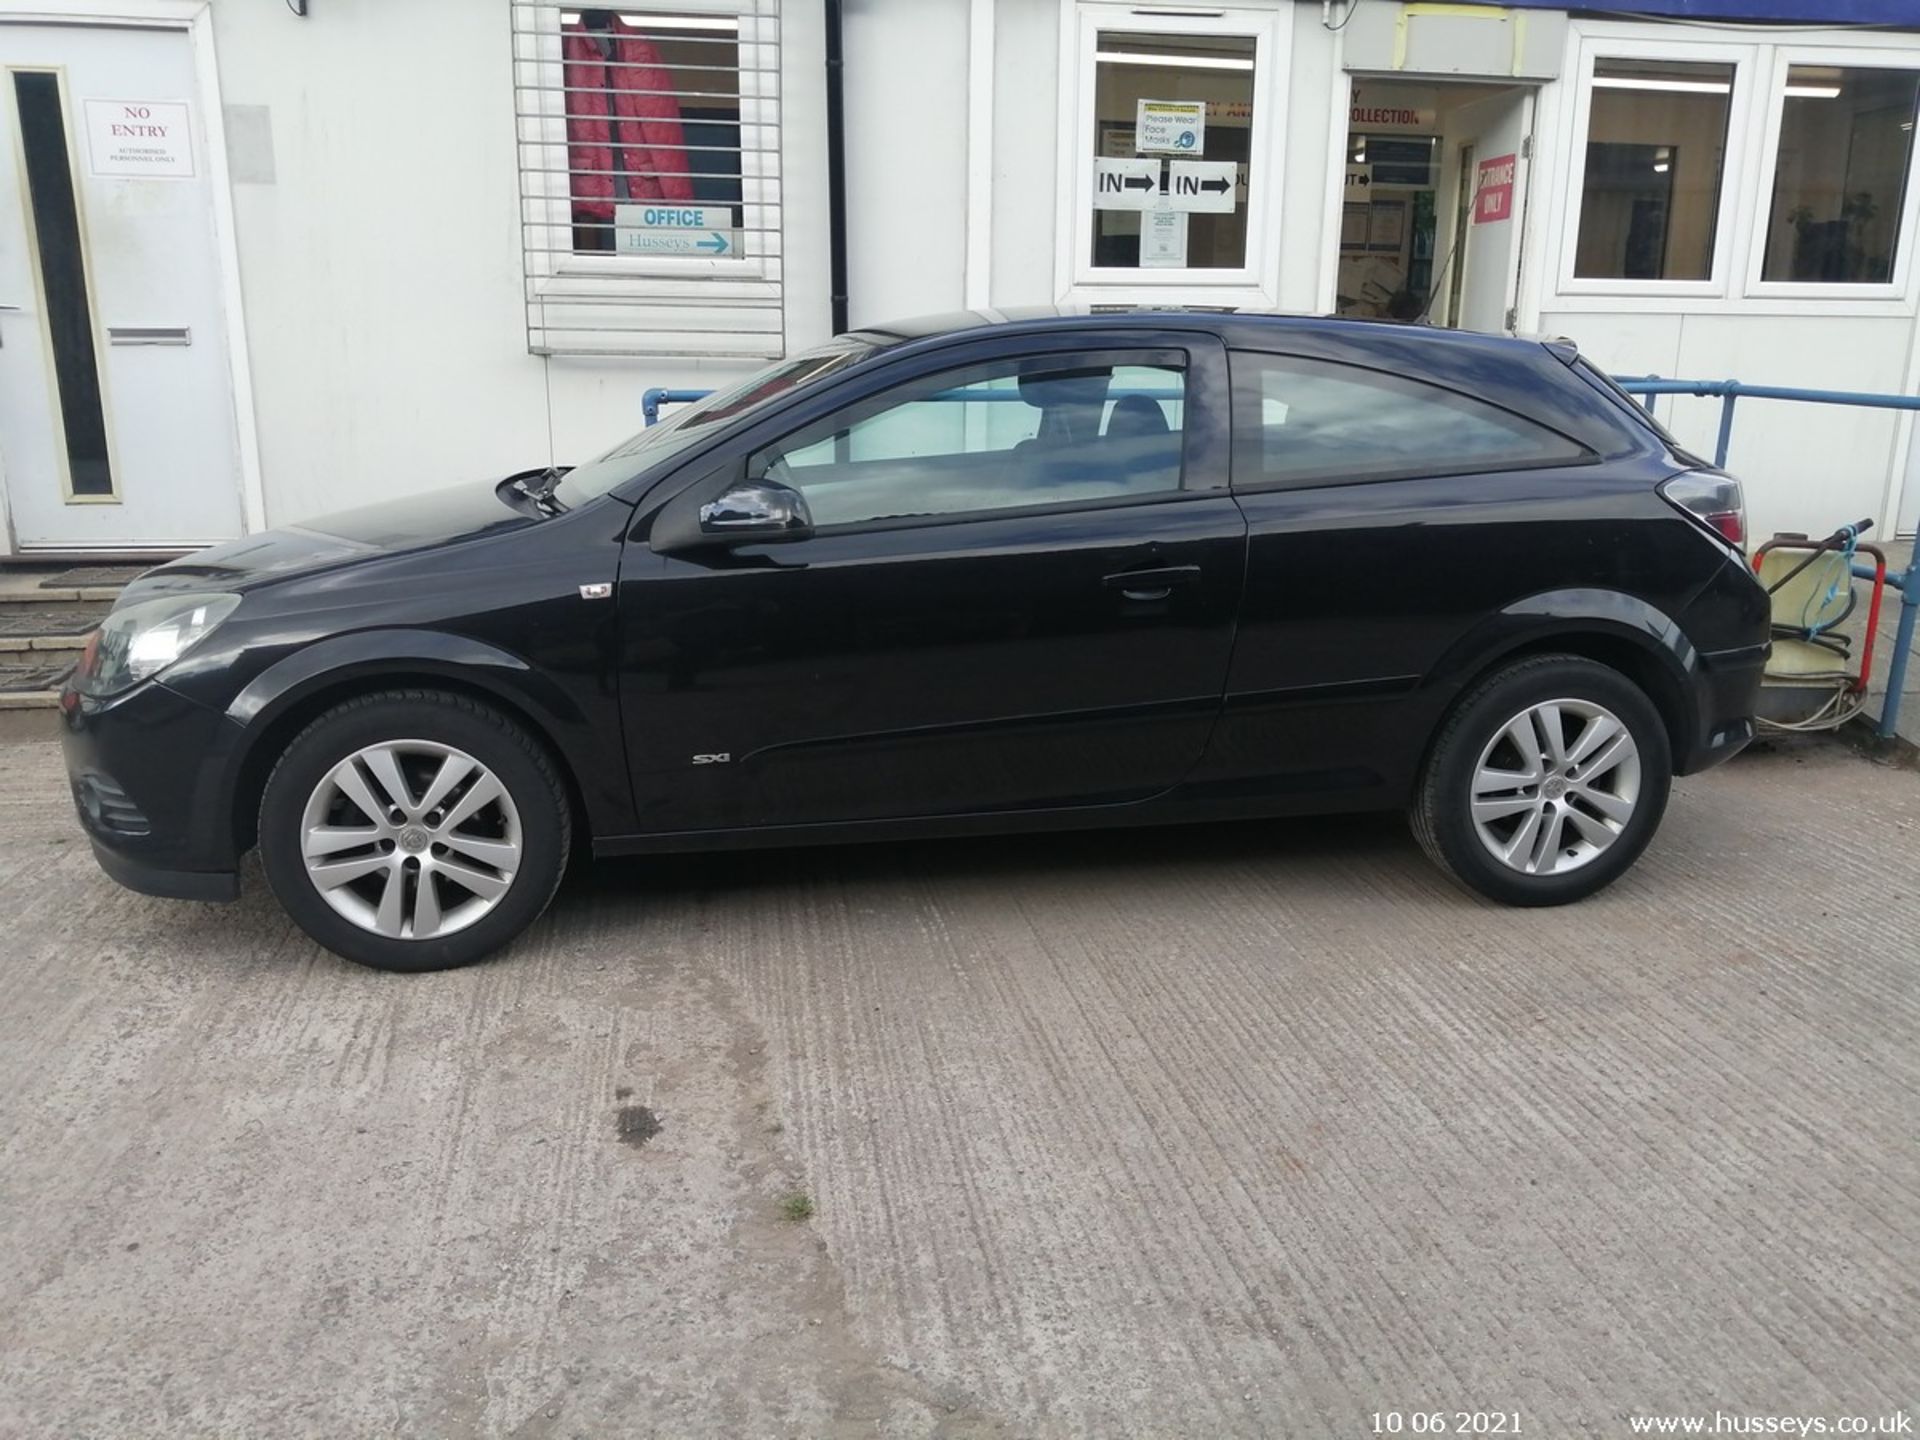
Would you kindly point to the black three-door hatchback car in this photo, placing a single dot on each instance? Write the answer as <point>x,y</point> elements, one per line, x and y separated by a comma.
<point>953,576</point>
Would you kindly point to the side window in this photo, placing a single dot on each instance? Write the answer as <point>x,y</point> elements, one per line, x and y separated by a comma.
<point>1307,422</point>
<point>1011,434</point>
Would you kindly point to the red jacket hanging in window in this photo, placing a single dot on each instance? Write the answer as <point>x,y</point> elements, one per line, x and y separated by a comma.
<point>609,128</point>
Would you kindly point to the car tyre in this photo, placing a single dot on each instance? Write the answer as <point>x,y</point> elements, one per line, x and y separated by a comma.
<point>1545,782</point>
<point>476,842</point>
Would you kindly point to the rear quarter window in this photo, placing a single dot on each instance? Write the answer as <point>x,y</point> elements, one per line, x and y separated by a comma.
<point>1304,422</point>
<point>1627,404</point>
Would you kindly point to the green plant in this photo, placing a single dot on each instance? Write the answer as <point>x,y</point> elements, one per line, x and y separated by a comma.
<point>797,1207</point>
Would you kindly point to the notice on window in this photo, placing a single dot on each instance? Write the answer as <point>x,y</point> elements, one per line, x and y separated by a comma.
<point>1387,227</point>
<point>664,228</point>
<point>1171,127</point>
<point>1163,239</point>
<point>1493,190</point>
<point>151,139</point>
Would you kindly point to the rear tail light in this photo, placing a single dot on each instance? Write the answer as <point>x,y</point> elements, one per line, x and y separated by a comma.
<point>1714,500</point>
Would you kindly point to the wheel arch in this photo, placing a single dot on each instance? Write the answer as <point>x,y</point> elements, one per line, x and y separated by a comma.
<point>1609,627</point>
<point>287,697</point>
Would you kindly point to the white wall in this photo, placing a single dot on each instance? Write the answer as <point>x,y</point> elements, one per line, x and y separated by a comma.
<point>380,252</point>
<point>1805,467</point>
<point>1026,111</point>
<point>1314,142</point>
<point>906,114</point>
<point>377,218</point>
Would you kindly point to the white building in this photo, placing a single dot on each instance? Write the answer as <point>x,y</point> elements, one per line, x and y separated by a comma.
<point>256,264</point>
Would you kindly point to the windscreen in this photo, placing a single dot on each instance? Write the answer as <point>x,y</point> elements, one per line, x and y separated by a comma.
<point>689,426</point>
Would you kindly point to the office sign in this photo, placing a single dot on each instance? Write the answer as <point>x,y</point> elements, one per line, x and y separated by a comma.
<point>663,228</point>
<point>1493,190</point>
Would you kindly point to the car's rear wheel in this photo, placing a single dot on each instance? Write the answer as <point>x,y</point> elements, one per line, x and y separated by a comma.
<point>414,830</point>
<point>1545,782</point>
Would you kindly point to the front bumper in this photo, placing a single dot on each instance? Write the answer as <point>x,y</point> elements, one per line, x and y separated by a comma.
<point>135,874</point>
<point>151,774</point>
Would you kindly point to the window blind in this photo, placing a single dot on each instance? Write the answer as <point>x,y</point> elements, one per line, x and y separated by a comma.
<point>649,158</point>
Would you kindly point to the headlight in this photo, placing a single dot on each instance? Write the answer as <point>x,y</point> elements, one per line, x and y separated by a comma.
<point>142,639</point>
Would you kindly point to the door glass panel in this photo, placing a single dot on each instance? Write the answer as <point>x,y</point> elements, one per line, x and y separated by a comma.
<point>1003,436</point>
<point>1656,147</point>
<point>1173,123</point>
<point>55,218</point>
<point>1840,182</point>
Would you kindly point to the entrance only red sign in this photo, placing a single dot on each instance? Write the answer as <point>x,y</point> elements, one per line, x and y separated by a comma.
<point>1493,190</point>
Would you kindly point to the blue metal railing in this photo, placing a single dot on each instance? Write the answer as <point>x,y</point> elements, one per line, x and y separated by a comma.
<point>652,400</point>
<point>1652,386</point>
<point>1907,582</point>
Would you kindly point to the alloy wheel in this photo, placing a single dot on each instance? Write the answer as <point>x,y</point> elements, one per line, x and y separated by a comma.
<point>1555,787</point>
<point>411,839</point>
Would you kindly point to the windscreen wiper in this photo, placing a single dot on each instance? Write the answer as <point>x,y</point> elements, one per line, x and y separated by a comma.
<point>537,487</point>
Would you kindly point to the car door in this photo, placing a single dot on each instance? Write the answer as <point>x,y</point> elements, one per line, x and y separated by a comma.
<point>1017,591</point>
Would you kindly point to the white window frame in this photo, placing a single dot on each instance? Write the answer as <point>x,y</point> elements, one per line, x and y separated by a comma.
<point>1076,279</point>
<point>1726,236</point>
<point>1905,239</point>
<point>606,292</point>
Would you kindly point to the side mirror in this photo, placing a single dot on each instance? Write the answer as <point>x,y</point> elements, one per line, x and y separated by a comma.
<point>757,510</point>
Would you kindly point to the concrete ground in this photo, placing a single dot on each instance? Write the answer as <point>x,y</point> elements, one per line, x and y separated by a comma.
<point>1255,1131</point>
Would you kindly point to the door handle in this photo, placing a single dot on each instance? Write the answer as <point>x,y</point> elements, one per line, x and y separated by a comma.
<point>1154,584</point>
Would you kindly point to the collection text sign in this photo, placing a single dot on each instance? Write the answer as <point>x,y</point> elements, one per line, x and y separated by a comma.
<point>152,139</point>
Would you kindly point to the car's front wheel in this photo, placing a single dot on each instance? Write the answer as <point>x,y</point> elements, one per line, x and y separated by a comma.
<point>414,829</point>
<point>1545,782</point>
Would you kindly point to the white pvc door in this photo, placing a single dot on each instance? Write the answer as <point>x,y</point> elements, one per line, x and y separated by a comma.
<point>117,421</point>
<point>1497,131</point>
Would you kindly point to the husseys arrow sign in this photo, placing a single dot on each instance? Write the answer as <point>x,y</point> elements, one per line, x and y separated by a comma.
<point>663,228</point>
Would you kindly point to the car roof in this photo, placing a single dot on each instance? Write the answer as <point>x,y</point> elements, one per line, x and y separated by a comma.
<point>1237,326</point>
<point>1530,376</point>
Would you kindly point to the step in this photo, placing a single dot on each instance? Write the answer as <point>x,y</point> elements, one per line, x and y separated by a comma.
<point>46,613</point>
<point>60,626</point>
<point>53,584</point>
<point>32,682</point>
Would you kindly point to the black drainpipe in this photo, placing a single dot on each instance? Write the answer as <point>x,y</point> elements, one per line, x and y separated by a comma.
<point>836,169</point>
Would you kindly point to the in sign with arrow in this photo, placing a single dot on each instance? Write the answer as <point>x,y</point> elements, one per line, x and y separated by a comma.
<point>1125,182</point>
<point>1202,186</point>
